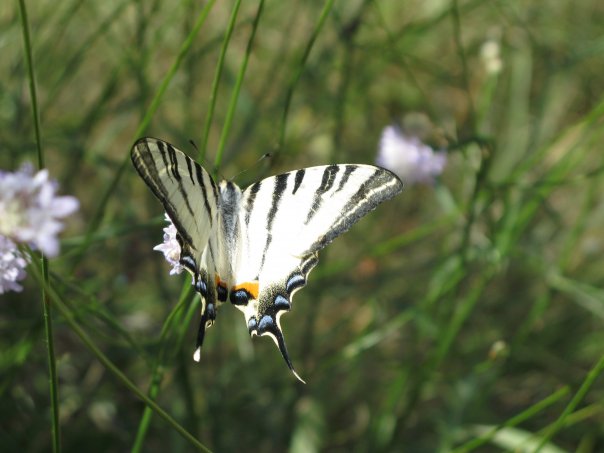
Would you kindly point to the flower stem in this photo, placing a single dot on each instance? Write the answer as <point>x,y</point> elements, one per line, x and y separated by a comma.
<point>52,366</point>
<point>216,81</point>
<point>300,68</point>
<point>235,95</point>
<point>175,318</point>
<point>32,81</point>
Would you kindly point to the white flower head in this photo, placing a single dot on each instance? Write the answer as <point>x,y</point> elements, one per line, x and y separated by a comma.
<point>12,266</point>
<point>490,53</point>
<point>408,157</point>
<point>30,209</point>
<point>171,248</point>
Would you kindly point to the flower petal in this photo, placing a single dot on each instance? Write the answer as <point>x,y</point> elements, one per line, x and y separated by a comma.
<point>408,157</point>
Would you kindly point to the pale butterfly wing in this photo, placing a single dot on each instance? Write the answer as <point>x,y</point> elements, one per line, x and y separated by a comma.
<point>191,200</point>
<point>257,246</point>
<point>186,190</point>
<point>285,220</point>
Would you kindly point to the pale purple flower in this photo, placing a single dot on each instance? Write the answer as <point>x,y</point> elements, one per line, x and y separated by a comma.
<point>30,209</point>
<point>12,266</point>
<point>170,248</point>
<point>408,157</point>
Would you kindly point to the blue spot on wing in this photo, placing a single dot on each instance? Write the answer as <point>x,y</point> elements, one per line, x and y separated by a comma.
<point>281,303</point>
<point>267,323</point>
<point>240,297</point>
<point>221,291</point>
<point>252,325</point>
<point>295,281</point>
<point>201,288</point>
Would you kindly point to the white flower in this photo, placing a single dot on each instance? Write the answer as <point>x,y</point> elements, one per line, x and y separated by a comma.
<point>408,157</point>
<point>491,58</point>
<point>30,209</point>
<point>12,266</point>
<point>171,248</point>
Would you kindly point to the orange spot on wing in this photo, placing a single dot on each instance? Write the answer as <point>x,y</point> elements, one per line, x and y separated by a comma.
<point>250,287</point>
<point>219,282</point>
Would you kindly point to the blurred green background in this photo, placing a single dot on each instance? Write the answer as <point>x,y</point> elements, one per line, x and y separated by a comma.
<point>465,316</point>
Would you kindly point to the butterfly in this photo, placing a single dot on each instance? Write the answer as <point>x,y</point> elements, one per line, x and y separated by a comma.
<point>256,247</point>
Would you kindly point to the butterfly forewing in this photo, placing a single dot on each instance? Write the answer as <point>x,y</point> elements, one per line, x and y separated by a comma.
<point>186,190</point>
<point>302,211</point>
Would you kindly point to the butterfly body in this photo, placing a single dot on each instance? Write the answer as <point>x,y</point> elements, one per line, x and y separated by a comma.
<point>256,247</point>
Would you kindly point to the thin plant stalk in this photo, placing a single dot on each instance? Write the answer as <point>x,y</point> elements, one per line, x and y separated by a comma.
<point>158,368</point>
<point>153,106</point>
<point>216,81</point>
<point>236,90</point>
<point>523,416</point>
<point>593,374</point>
<point>298,73</point>
<point>52,365</point>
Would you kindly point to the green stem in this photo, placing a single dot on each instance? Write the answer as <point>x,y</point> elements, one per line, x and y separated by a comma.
<point>216,81</point>
<point>159,366</point>
<point>184,50</point>
<point>296,76</point>
<point>514,421</point>
<point>108,364</point>
<point>235,96</point>
<point>457,27</point>
<point>52,366</point>
<point>593,374</point>
<point>32,81</point>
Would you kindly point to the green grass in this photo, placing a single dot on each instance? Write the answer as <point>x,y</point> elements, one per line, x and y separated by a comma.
<point>464,316</point>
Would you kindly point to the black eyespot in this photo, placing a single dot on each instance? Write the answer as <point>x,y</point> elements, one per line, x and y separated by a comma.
<point>252,325</point>
<point>281,303</point>
<point>295,281</point>
<point>240,297</point>
<point>211,312</point>
<point>266,323</point>
<point>221,292</point>
<point>201,288</point>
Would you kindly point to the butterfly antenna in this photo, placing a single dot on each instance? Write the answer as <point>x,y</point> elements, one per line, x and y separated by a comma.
<point>264,156</point>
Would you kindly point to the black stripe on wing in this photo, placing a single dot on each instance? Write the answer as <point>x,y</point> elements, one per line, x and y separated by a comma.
<point>298,180</point>
<point>173,167</point>
<point>278,189</point>
<point>157,162</point>
<point>172,154</point>
<point>254,189</point>
<point>380,186</point>
<point>146,166</point>
<point>190,170</point>
<point>204,191</point>
<point>327,181</point>
<point>347,172</point>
